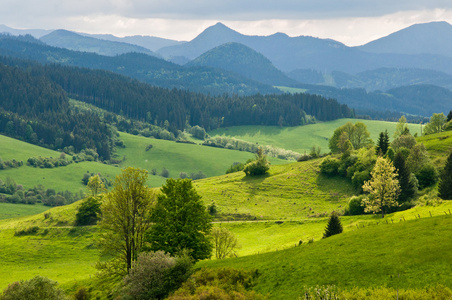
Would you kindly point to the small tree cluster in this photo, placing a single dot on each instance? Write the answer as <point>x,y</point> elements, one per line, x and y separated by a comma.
<point>36,288</point>
<point>445,183</point>
<point>260,166</point>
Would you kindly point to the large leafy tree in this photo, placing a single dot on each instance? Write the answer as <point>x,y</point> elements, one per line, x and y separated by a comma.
<point>401,127</point>
<point>445,183</point>
<point>436,124</point>
<point>384,187</point>
<point>181,221</point>
<point>357,134</point>
<point>125,219</point>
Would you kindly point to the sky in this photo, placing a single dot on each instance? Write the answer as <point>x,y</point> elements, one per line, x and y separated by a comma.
<point>352,22</point>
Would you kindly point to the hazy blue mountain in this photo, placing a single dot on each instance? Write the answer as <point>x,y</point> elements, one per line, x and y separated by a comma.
<point>244,61</point>
<point>37,33</point>
<point>149,42</point>
<point>433,38</point>
<point>388,78</point>
<point>303,52</point>
<point>73,41</point>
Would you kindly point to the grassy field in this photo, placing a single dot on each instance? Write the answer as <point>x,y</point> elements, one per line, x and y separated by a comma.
<point>176,157</point>
<point>302,138</point>
<point>180,157</point>
<point>9,210</point>
<point>288,192</point>
<point>418,251</point>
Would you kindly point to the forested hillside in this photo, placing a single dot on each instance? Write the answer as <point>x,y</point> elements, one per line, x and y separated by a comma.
<point>148,69</point>
<point>36,110</point>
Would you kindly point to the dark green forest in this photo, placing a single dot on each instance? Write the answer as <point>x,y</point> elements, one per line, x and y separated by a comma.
<point>35,106</point>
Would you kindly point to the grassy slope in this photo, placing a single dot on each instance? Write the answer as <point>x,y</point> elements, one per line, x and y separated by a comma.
<point>176,157</point>
<point>438,145</point>
<point>9,210</point>
<point>180,157</point>
<point>302,138</point>
<point>291,191</point>
<point>375,256</point>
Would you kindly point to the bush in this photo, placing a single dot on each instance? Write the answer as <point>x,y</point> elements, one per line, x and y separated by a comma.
<point>330,166</point>
<point>198,175</point>
<point>36,288</point>
<point>427,176</point>
<point>165,173</point>
<point>221,283</point>
<point>88,212</point>
<point>355,206</point>
<point>235,167</point>
<point>155,274</point>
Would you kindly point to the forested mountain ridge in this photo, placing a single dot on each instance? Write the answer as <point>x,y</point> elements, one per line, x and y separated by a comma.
<point>143,67</point>
<point>42,103</point>
<point>245,61</point>
<point>73,41</point>
<point>36,110</point>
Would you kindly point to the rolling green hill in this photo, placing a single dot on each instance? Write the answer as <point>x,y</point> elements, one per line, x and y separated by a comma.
<point>303,138</point>
<point>417,251</point>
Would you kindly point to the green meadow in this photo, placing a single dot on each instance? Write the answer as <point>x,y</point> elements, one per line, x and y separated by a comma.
<point>302,138</point>
<point>278,218</point>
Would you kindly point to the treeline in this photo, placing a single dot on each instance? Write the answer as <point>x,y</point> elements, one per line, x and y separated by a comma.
<point>35,109</point>
<point>173,109</point>
<point>12,192</point>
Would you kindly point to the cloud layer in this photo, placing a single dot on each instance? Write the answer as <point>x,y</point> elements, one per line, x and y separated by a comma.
<point>349,21</point>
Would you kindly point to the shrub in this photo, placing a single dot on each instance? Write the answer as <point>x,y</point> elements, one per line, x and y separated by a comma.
<point>329,166</point>
<point>427,176</point>
<point>27,231</point>
<point>235,167</point>
<point>88,212</point>
<point>198,175</point>
<point>165,173</point>
<point>36,288</point>
<point>221,283</point>
<point>355,206</point>
<point>155,274</point>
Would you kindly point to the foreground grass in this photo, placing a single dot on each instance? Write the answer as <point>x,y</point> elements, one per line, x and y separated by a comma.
<point>374,256</point>
<point>302,138</point>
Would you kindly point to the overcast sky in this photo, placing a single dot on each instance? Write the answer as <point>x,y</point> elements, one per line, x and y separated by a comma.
<point>353,22</point>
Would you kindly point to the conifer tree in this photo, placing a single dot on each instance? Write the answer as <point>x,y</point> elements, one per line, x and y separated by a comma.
<point>383,143</point>
<point>407,188</point>
<point>445,183</point>
<point>334,226</point>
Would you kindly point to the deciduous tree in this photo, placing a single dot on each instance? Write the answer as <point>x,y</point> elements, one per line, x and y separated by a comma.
<point>384,187</point>
<point>125,219</point>
<point>180,221</point>
<point>225,242</point>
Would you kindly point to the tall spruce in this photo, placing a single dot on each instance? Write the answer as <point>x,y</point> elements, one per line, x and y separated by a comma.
<point>334,225</point>
<point>407,187</point>
<point>445,183</point>
<point>383,143</point>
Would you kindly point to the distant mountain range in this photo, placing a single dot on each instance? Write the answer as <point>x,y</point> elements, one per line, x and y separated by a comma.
<point>416,61</point>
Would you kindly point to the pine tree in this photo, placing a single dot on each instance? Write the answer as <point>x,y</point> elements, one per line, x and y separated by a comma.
<point>407,188</point>
<point>334,226</point>
<point>445,183</point>
<point>383,143</point>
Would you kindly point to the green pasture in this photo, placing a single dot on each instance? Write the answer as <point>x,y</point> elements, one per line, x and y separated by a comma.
<point>10,210</point>
<point>179,157</point>
<point>438,145</point>
<point>288,192</point>
<point>411,255</point>
<point>302,138</point>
